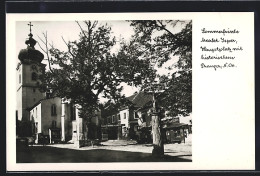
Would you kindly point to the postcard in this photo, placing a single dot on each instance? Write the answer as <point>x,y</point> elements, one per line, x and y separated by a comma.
<point>130,91</point>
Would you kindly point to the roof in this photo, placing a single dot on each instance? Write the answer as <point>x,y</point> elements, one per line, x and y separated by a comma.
<point>30,54</point>
<point>140,99</point>
<point>40,101</point>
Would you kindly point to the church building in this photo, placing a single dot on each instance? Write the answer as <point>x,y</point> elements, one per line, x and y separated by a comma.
<point>28,70</point>
<point>40,114</point>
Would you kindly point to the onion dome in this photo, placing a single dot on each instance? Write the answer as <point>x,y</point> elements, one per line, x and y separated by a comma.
<point>30,53</point>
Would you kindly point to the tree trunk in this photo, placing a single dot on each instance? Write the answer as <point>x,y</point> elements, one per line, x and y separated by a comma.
<point>158,148</point>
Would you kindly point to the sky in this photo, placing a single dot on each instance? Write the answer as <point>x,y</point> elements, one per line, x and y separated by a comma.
<point>69,30</point>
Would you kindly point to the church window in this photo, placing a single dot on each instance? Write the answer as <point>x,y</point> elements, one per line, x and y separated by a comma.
<point>19,78</point>
<point>53,124</point>
<point>109,120</point>
<point>113,119</point>
<point>34,76</point>
<point>34,89</point>
<point>53,109</point>
<point>34,67</point>
<point>73,112</point>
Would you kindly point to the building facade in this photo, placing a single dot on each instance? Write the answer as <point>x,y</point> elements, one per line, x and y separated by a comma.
<point>40,115</point>
<point>28,70</point>
<point>53,117</point>
<point>124,122</point>
<point>134,121</point>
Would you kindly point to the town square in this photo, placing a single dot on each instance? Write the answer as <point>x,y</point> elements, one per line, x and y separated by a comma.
<point>121,91</point>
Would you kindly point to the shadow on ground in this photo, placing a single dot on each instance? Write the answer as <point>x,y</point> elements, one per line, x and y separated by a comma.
<point>45,154</point>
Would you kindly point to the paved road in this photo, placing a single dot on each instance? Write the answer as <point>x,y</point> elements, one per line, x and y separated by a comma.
<point>110,151</point>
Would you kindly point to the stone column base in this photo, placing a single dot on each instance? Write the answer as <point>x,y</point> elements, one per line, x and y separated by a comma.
<point>79,143</point>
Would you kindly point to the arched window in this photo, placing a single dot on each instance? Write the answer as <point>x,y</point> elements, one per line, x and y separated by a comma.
<point>53,124</point>
<point>34,76</point>
<point>113,119</point>
<point>53,109</point>
<point>72,112</point>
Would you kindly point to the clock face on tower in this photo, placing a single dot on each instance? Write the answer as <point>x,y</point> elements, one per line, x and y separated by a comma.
<point>34,67</point>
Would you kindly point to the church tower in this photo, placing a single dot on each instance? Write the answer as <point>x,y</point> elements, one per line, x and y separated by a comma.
<point>28,70</point>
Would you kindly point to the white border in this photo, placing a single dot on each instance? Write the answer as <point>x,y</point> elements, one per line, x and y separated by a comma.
<point>218,142</point>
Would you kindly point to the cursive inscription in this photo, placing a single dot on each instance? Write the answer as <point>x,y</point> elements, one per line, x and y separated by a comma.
<point>219,48</point>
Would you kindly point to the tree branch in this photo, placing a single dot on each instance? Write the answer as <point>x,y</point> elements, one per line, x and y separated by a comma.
<point>47,49</point>
<point>68,47</point>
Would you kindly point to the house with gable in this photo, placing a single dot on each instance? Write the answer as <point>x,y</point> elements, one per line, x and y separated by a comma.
<point>133,121</point>
<point>124,122</point>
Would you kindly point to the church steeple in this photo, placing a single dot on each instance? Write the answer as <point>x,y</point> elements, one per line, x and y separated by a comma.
<point>28,71</point>
<point>30,42</point>
<point>30,54</point>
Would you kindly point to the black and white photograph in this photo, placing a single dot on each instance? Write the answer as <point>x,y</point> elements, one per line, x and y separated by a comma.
<point>130,91</point>
<point>103,91</point>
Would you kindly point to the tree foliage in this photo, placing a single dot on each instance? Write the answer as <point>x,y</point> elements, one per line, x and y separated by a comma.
<point>158,41</point>
<point>88,68</point>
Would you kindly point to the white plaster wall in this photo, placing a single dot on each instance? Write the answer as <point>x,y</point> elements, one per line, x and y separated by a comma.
<point>125,121</point>
<point>47,118</point>
<point>35,116</point>
<point>26,97</point>
<point>186,119</point>
<point>19,103</point>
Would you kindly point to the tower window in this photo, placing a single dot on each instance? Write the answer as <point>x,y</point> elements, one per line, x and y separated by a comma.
<point>34,89</point>
<point>53,124</point>
<point>53,109</point>
<point>109,120</point>
<point>34,76</point>
<point>19,78</point>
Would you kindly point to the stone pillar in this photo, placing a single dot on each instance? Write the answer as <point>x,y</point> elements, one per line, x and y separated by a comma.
<point>50,136</point>
<point>63,105</point>
<point>80,132</point>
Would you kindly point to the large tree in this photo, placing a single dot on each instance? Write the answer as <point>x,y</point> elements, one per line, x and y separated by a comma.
<point>88,69</point>
<point>158,42</point>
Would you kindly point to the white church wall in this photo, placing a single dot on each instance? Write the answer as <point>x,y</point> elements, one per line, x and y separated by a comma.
<point>47,118</point>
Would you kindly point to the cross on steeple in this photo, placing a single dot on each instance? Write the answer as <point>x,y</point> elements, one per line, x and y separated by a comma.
<point>30,25</point>
<point>30,42</point>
